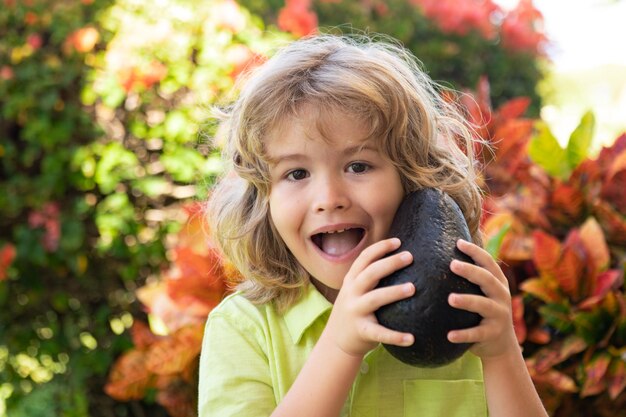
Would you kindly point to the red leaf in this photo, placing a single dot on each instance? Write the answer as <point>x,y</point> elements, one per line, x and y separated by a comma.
<point>557,352</point>
<point>618,165</point>
<point>613,223</point>
<point>602,285</point>
<point>595,371</point>
<point>616,377</point>
<point>551,378</point>
<point>613,188</point>
<point>7,254</point>
<point>129,378</point>
<point>178,400</point>
<point>517,303</point>
<point>297,17</point>
<point>546,252</point>
<point>514,108</point>
<point>608,155</point>
<point>512,137</point>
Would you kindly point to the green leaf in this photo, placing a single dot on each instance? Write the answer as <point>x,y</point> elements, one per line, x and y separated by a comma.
<point>182,163</point>
<point>557,316</point>
<point>580,140</point>
<point>152,186</point>
<point>545,151</point>
<point>592,326</point>
<point>117,164</point>
<point>495,243</point>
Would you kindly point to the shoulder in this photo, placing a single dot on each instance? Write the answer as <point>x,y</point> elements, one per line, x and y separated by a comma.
<point>236,308</point>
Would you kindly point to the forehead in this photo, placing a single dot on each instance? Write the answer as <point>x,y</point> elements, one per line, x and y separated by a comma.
<point>335,127</point>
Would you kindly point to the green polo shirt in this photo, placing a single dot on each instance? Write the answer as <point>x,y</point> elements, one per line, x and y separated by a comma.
<point>251,355</point>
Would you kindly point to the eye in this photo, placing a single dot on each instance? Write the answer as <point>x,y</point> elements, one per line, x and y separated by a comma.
<point>358,167</point>
<point>297,174</point>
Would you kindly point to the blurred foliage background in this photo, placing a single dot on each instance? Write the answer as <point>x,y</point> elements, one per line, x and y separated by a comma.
<point>106,276</point>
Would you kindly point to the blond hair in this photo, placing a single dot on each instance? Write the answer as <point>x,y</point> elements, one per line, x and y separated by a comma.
<point>424,135</point>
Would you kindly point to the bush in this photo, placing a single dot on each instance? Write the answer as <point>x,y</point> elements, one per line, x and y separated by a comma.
<point>105,275</point>
<point>101,105</point>
<point>457,40</point>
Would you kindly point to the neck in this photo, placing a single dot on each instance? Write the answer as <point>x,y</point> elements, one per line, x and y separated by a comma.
<point>329,293</point>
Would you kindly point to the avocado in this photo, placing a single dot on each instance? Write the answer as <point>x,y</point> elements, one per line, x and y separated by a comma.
<point>428,223</point>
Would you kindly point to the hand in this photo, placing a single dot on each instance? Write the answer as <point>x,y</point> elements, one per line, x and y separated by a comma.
<point>352,323</point>
<point>494,336</point>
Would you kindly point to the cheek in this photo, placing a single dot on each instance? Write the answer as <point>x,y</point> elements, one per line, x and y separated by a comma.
<point>283,213</point>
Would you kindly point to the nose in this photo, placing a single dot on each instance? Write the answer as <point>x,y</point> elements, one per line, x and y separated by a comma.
<point>331,194</point>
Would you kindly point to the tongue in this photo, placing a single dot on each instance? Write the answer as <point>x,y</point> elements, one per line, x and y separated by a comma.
<point>339,243</point>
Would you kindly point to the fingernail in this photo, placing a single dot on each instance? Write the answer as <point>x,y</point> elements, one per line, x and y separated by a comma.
<point>407,340</point>
<point>456,265</point>
<point>406,256</point>
<point>452,299</point>
<point>408,288</point>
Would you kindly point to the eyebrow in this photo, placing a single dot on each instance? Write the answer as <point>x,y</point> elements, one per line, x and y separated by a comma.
<point>351,150</point>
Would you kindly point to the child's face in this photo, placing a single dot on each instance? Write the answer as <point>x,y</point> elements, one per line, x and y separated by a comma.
<point>330,198</point>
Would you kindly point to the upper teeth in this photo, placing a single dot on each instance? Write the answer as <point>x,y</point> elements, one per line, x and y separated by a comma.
<point>336,231</point>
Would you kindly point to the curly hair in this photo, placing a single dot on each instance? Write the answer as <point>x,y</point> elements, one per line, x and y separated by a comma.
<point>376,80</point>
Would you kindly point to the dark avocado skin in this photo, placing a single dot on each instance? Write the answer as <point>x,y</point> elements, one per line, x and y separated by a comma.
<point>428,223</point>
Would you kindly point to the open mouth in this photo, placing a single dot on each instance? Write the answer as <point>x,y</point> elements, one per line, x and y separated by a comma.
<point>338,242</point>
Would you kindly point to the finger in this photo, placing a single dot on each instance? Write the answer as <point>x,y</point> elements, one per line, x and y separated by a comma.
<point>370,276</point>
<point>478,304</point>
<point>471,335</point>
<point>482,258</point>
<point>489,284</point>
<point>378,333</point>
<point>379,297</point>
<point>373,253</point>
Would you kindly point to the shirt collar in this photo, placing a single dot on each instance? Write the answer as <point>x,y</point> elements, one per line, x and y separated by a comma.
<point>305,312</point>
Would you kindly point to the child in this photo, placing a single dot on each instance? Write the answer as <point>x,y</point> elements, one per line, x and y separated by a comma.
<point>326,139</point>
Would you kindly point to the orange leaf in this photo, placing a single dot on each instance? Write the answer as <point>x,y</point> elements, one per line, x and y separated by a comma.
<point>197,277</point>
<point>141,335</point>
<point>595,245</point>
<point>173,354</point>
<point>129,378</point>
<point>569,272</point>
<point>540,288</point>
<point>546,252</point>
<point>566,200</point>
<point>539,336</point>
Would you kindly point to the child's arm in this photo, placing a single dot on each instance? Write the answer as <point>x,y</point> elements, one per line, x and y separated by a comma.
<point>323,384</point>
<point>509,388</point>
